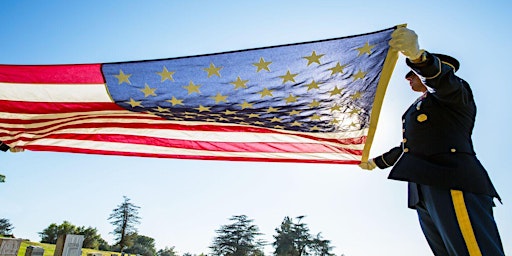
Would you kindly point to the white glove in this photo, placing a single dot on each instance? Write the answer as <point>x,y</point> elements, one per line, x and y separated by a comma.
<point>370,165</point>
<point>16,149</point>
<point>405,41</point>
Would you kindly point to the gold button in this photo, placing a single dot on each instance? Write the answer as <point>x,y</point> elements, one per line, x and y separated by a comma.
<point>403,130</point>
<point>404,140</point>
<point>453,150</point>
<point>406,150</point>
<point>422,118</point>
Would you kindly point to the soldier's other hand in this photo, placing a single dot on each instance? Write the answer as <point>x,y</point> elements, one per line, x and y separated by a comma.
<point>405,41</point>
<point>370,165</point>
<point>16,149</point>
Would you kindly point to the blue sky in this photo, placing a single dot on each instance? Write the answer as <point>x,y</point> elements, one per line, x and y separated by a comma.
<point>183,202</point>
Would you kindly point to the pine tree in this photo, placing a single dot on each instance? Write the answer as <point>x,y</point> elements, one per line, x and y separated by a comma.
<point>124,218</point>
<point>238,238</point>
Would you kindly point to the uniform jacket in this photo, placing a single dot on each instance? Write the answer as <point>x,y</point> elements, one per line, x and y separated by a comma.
<point>437,149</point>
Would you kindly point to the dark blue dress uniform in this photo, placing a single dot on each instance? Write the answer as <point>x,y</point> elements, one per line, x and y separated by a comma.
<point>448,186</point>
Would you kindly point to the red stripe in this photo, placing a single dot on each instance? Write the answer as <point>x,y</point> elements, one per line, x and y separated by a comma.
<point>52,74</point>
<point>196,157</point>
<point>267,147</point>
<point>74,118</point>
<point>55,107</point>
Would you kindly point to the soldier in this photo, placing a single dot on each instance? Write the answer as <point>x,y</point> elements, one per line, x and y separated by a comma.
<point>448,186</point>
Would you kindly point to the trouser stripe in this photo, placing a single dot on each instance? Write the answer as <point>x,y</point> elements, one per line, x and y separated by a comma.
<point>465,223</point>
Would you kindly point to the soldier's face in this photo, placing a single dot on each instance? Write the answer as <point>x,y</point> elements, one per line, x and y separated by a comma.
<point>416,83</point>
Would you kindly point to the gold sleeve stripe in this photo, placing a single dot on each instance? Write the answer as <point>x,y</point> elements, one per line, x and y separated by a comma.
<point>465,223</point>
<point>384,160</point>
<point>453,67</point>
<point>439,72</point>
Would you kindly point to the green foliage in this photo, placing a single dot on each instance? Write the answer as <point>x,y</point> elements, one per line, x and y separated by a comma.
<point>142,245</point>
<point>92,239</point>
<point>237,239</point>
<point>5,227</point>
<point>294,239</point>
<point>104,246</point>
<point>169,251</point>
<point>124,218</point>
<point>51,233</point>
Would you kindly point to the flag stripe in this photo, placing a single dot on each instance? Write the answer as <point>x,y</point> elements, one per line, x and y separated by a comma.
<point>258,158</point>
<point>136,121</point>
<point>226,146</point>
<point>75,93</point>
<point>212,136</point>
<point>136,149</point>
<point>52,74</point>
<point>53,108</point>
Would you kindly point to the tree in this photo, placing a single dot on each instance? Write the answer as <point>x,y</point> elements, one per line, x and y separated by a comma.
<point>104,246</point>
<point>51,233</point>
<point>124,217</point>
<point>321,247</point>
<point>294,239</point>
<point>92,239</point>
<point>5,227</point>
<point>285,240</point>
<point>142,245</point>
<point>238,238</point>
<point>168,251</point>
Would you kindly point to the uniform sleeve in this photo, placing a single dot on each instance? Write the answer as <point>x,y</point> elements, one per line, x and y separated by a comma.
<point>389,158</point>
<point>441,77</point>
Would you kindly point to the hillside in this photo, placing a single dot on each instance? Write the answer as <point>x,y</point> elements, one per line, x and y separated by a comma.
<point>49,249</point>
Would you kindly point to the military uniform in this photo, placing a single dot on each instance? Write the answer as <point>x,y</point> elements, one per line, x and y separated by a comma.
<point>437,158</point>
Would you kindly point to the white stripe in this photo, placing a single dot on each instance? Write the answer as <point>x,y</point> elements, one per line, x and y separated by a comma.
<point>36,117</point>
<point>54,92</point>
<point>135,148</point>
<point>59,122</point>
<point>187,135</point>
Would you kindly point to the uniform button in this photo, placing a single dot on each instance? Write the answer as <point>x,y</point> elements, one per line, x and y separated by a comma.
<point>403,130</point>
<point>404,140</point>
<point>453,150</point>
<point>403,121</point>
<point>406,150</point>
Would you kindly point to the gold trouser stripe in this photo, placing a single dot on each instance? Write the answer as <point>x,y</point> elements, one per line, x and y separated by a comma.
<point>465,223</point>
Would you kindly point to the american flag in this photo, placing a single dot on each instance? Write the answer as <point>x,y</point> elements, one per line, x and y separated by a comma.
<point>305,102</point>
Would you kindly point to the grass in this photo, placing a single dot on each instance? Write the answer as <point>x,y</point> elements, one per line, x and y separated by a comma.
<point>49,249</point>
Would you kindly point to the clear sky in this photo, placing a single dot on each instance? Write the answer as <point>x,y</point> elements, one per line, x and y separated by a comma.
<point>183,202</point>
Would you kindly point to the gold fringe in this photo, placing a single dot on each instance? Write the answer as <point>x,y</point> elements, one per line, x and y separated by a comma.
<point>387,70</point>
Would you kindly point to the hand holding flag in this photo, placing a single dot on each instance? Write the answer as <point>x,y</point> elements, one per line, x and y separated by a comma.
<point>405,41</point>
